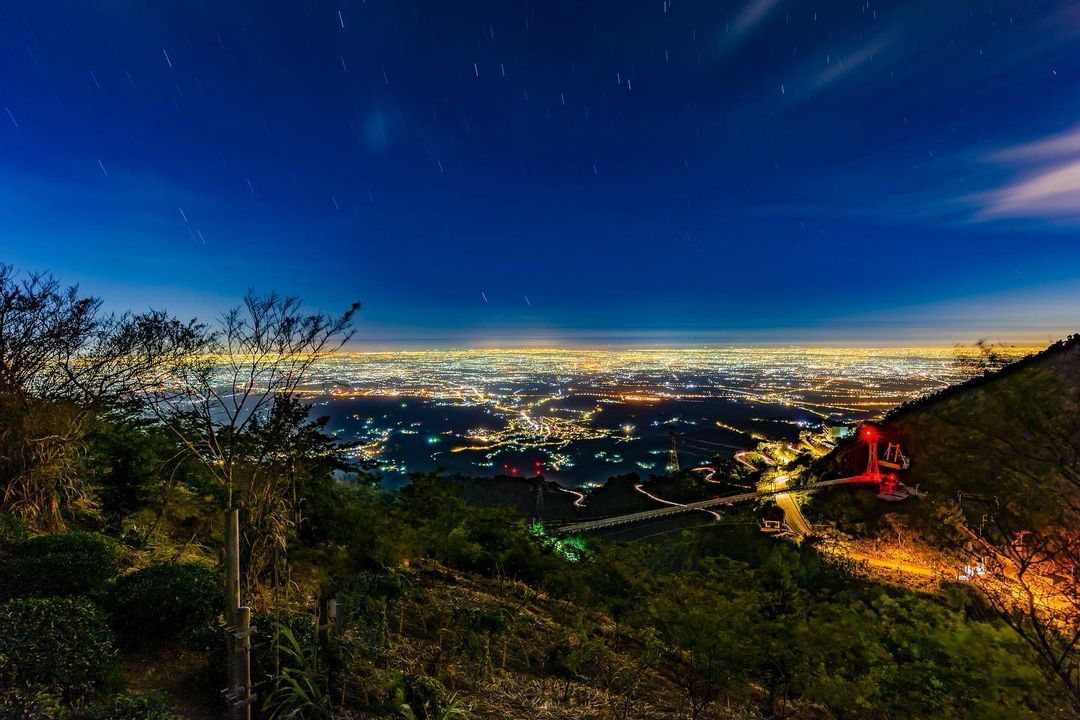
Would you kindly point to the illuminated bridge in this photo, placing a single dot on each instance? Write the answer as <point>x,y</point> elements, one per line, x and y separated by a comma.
<point>889,488</point>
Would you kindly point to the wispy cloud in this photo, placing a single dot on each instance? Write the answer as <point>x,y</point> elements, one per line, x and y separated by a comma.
<point>749,18</point>
<point>1051,146</point>
<point>1044,182</point>
<point>807,79</point>
<point>751,15</point>
<point>840,65</point>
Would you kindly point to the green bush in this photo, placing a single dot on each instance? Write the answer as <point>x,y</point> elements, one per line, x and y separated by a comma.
<point>62,645</point>
<point>425,695</point>
<point>300,689</point>
<point>164,602</point>
<point>300,625</point>
<point>132,707</point>
<point>12,531</point>
<point>31,704</point>
<point>74,563</point>
<point>264,658</point>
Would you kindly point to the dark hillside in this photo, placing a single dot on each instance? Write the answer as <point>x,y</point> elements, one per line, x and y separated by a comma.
<point>517,492</point>
<point>1001,439</point>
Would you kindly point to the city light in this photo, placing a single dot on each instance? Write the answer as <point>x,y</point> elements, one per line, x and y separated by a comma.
<point>553,405</point>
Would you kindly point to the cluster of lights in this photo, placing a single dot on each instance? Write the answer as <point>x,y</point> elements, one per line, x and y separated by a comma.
<point>572,548</point>
<point>545,401</point>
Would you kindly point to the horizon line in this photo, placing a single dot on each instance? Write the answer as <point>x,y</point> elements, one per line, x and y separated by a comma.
<point>1025,345</point>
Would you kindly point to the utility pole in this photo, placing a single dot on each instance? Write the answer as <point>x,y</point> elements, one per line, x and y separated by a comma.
<point>673,455</point>
<point>539,496</point>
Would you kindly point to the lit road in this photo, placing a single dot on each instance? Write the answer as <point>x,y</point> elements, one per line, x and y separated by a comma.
<point>887,563</point>
<point>580,501</point>
<point>793,516</point>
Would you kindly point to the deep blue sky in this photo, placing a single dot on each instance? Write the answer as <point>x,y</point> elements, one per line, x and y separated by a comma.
<point>641,171</point>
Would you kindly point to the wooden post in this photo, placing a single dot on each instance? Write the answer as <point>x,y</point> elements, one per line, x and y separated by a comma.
<point>238,621</point>
<point>331,619</point>
<point>243,660</point>
<point>232,563</point>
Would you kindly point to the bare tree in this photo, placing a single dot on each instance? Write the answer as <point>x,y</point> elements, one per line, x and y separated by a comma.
<point>63,361</point>
<point>983,357</point>
<point>58,345</point>
<point>261,351</point>
<point>224,405</point>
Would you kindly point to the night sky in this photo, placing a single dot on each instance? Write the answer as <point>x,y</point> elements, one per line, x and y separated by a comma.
<point>557,172</point>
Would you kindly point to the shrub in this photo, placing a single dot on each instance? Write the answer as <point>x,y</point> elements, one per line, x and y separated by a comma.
<point>301,626</point>
<point>132,707</point>
<point>72,563</point>
<point>415,697</point>
<point>12,531</point>
<point>300,690</point>
<point>31,704</point>
<point>425,695</point>
<point>59,644</point>
<point>164,602</point>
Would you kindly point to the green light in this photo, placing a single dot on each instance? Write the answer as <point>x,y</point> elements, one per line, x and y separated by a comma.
<point>572,549</point>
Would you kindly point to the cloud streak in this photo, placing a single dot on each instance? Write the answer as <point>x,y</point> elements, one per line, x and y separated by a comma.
<point>1045,183</point>
<point>846,64</point>
<point>752,15</point>
<point>746,21</point>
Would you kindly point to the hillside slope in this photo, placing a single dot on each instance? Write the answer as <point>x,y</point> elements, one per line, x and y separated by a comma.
<point>999,441</point>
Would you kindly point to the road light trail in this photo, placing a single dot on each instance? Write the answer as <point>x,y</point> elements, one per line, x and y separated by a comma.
<point>659,499</point>
<point>580,501</point>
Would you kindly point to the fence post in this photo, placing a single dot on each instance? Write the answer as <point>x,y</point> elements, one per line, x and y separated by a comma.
<point>331,618</point>
<point>238,631</point>
<point>243,661</point>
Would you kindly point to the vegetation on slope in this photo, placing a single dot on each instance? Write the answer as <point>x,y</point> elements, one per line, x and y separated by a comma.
<point>999,459</point>
<point>111,524</point>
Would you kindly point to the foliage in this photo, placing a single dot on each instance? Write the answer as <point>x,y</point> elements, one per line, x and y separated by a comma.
<point>1000,457</point>
<point>132,707</point>
<point>41,459</point>
<point>164,602</point>
<point>137,466</point>
<point>59,644</point>
<point>62,362</point>
<point>266,656</point>
<point>422,696</point>
<point>70,563</point>
<point>436,596</point>
<point>300,689</point>
<point>281,459</point>
<point>1006,458</point>
<point>710,650</point>
<point>571,548</point>
<point>265,347</point>
<point>31,703</point>
<point>12,531</point>
<point>726,610</point>
<point>58,344</point>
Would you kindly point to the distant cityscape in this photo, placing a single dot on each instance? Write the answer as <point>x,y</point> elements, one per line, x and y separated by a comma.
<point>580,416</point>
